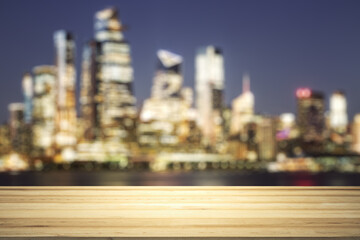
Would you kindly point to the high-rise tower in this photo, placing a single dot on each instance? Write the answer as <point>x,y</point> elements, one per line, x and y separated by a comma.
<point>44,110</point>
<point>209,78</point>
<point>27,86</point>
<point>168,77</point>
<point>310,114</point>
<point>65,130</point>
<point>165,115</point>
<point>242,108</point>
<point>87,93</point>
<point>338,112</point>
<point>114,97</point>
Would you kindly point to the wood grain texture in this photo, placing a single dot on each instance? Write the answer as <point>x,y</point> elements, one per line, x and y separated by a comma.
<point>179,211</point>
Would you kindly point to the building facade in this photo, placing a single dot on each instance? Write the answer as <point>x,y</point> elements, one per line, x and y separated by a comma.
<point>209,84</point>
<point>266,137</point>
<point>115,116</point>
<point>27,86</point>
<point>65,121</point>
<point>165,116</point>
<point>310,114</point>
<point>44,111</point>
<point>89,120</point>
<point>17,127</point>
<point>242,108</point>
<point>338,112</point>
<point>355,131</point>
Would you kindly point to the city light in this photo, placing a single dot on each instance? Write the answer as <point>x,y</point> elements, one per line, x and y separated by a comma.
<point>303,92</point>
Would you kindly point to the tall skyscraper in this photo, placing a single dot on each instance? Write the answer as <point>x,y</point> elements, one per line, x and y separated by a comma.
<point>114,97</point>
<point>87,93</point>
<point>164,114</point>
<point>27,86</point>
<point>338,112</point>
<point>44,110</point>
<point>65,138</point>
<point>242,108</point>
<point>168,77</point>
<point>310,114</point>
<point>209,80</point>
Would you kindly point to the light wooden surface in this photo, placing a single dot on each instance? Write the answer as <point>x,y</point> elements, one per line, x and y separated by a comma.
<point>179,211</point>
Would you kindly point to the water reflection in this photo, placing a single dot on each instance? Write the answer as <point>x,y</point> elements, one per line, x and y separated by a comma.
<point>190,178</point>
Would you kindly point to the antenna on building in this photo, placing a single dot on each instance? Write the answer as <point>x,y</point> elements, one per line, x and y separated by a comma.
<point>246,83</point>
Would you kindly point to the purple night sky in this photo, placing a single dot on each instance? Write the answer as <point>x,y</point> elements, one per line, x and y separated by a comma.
<point>283,45</point>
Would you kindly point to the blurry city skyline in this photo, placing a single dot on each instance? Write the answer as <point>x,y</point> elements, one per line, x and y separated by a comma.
<point>282,45</point>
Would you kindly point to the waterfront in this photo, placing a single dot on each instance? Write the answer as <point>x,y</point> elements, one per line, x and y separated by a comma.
<point>176,178</point>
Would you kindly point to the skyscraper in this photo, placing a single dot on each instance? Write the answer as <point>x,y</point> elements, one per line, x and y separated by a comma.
<point>164,114</point>
<point>44,110</point>
<point>27,86</point>
<point>209,80</point>
<point>338,112</point>
<point>168,77</point>
<point>65,136</point>
<point>114,97</point>
<point>310,114</point>
<point>87,93</point>
<point>242,108</point>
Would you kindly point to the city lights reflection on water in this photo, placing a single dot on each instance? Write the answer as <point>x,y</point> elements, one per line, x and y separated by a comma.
<point>177,178</point>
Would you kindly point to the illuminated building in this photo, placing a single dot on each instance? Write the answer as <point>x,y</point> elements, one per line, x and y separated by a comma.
<point>356,134</point>
<point>27,86</point>
<point>5,143</point>
<point>108,113</point>
<point>242,108</point>
<point>244,146</point>
<point>100,151</point>
<point>65,124</point>
<point>44,110</point>
<point>243,124</point>
<point>266,137</point>
<point>338,112</point>
<point>209,80</point>
<point>286,127</point>
<point>256,141</point>
<point>165,115</point>
<point>87,92</point>
<point>168,77</point>
<point>115,117</point>
<point>287,136</point>
<point>287,120</point>
<point>16,126</point>
<point>226,116</point>
<point>107,102</point>
<point>310,114</point>
<point>14,162</point>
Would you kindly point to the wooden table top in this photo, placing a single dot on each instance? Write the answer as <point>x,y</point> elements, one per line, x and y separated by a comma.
<point>179,211</point>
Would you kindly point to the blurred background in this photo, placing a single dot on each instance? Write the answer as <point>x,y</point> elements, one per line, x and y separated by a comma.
<point>179,92</point>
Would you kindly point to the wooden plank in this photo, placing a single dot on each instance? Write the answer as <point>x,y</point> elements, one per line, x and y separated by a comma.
<point>179,212</point>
